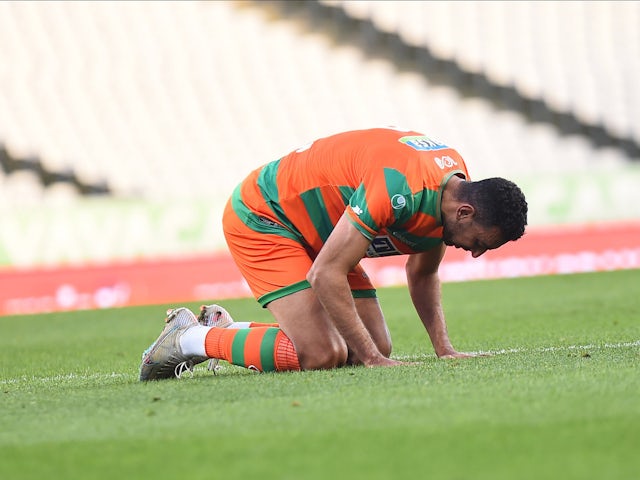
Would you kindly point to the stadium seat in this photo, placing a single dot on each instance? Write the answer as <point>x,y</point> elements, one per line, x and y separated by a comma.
<point>166,99</point>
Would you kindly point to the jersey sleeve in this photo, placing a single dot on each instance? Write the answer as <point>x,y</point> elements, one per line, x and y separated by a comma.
<point>382,199</point>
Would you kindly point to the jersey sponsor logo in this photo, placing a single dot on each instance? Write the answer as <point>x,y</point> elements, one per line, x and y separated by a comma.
<point>422,143</point>
<point>445,162</point>
<point>268,222</point>
<point>398,202</point>
<point>402,237</point>
<point>382,247</point>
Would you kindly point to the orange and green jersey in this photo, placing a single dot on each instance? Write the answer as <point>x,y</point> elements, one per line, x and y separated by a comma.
<point>388,181</point>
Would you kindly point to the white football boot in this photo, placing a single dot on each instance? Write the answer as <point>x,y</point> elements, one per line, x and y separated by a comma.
<point>164,357</point>
<point>214,316</point>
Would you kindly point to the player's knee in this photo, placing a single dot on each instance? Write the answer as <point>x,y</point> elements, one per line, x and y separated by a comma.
<point>327,356</point>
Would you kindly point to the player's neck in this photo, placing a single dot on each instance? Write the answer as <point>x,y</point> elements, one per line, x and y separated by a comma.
<point>449,203</point>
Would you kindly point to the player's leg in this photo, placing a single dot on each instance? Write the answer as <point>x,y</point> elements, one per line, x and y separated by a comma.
<point>303,319</point>
<point>371,314</point>
<point>275,264</point>
<point>304,339</point>
<point>316,339</point>
<point>318,348</point>
<point>184,342</point>
<point>275,268</point>
<point>217,316</point>
<point>369,310</point>
<point>264,256</point>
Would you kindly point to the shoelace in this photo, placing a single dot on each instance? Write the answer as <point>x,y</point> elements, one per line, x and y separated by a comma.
<point>183,367</point>
<point>186,366</point>
<point>213,365</point>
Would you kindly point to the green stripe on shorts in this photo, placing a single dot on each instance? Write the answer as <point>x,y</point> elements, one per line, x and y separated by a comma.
<point>304,284</point>
<point>283,292</point>
<point>371,293</point>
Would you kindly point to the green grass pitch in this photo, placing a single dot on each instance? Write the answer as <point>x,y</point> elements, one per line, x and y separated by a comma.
<point>558,399</point>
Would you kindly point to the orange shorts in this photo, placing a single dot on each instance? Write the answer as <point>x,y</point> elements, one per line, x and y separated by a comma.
<point>275,266</point>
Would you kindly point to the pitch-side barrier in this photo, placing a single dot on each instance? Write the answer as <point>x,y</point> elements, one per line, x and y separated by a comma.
<point>205,278</point>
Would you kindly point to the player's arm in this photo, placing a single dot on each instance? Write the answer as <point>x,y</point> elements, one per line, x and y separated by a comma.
<point>425,291</point>
<point>342,251</point>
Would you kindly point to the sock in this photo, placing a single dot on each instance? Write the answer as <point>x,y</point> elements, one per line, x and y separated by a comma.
<point>265,349</point>
<point>193,339</point>
<point>251,325</point>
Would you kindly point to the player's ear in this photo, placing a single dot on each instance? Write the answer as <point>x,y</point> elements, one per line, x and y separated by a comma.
<point>465,212</point>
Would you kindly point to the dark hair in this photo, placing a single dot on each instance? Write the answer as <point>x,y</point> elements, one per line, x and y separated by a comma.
<point>498,203</point>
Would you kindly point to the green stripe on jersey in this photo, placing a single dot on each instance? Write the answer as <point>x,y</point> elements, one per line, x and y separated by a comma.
<point>400,195</point>
<point>425,202</point>
<point>317,212</point>
<point>346,193</point>
<point>358,202</point>
<point>268,184</point>
<point>429,203</point>
<point>256,222</point>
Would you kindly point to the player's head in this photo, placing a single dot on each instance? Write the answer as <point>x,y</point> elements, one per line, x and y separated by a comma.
<point>498,203</point>
<point>490,213</point>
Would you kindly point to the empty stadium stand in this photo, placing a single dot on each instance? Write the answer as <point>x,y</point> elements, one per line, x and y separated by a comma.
<point>181,99</point>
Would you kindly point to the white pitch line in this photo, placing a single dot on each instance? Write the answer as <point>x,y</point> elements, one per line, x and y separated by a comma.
<point>567,347</point>
<point>504,351</point>
<point>68,376</point>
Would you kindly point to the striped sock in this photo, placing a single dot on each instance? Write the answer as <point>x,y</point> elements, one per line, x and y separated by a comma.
<point>265,349</point>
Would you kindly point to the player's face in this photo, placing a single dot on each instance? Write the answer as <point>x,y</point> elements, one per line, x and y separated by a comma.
<point>470,236</point>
